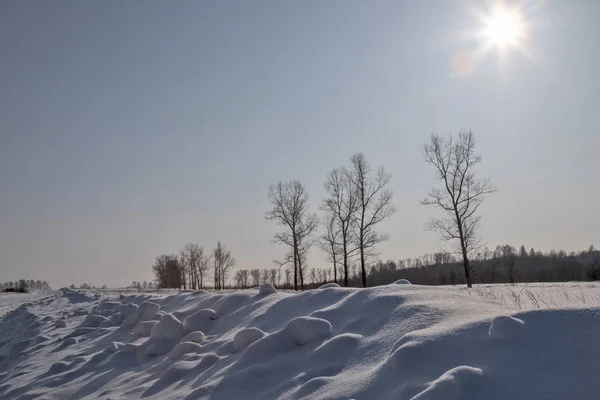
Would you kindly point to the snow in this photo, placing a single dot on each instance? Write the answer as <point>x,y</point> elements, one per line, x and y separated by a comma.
<point>143,329</point>
<point>329,286</point>
<point>505,327</point>
<point>402,282</point>
<point>266,288</point>
<point>200,321</point>
<point>184,348</point>
<point>169,327</point>
<point>246,337</point>
<point>303,330</point>
<point>196,337</point>
<point>389,342</point>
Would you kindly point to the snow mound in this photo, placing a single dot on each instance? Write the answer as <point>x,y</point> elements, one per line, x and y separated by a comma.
<point>455,384</point>
<point>146,311</point>
<point>200,321</point>
<point>94,320</point>
<point>184,348</point>
<point>61,323</point>
<point>169,327</point>
<point>303,330</point>
<point>127,310</point>
<point>114,347</point>
<point>108,305</point>
<point>266,288</point>
<point>505,327</point>
<point>329,285</point>
<point>196,337</point>
<point>143,329</point>
<point>402,282</point>
<point>117,318</point>
<point>246,337</point>
<point>158,348</point>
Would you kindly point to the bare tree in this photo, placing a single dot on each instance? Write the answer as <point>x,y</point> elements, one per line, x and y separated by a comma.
<point>273,276</point>
<point>341,202</point>
<point>223,261</point>
<point>374,205</point>
<point>329,242</point>
<point>264,275</point>
<point>289,203</point>
<point>190,259</point>
<point>167,271</point>
<point>461,193</point>
<point>255,274</point>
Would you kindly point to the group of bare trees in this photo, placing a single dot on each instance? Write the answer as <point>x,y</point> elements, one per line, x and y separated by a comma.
<point>278,277</point>
<point>24,285</point>
<point>357,199</point>
<point>191,267</point>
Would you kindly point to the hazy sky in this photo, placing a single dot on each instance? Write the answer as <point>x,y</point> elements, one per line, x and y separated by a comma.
<point>129,128</point>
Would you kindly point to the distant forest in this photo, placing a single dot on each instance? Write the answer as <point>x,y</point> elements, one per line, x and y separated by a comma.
<point>505,264</point>
<point>23,286</point>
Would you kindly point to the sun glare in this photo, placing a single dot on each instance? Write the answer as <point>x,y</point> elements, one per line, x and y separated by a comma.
<point>505,27</point>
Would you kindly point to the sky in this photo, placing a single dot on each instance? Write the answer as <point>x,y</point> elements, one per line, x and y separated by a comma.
<point>128,129</point>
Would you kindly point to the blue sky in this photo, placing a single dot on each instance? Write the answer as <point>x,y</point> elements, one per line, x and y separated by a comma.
<point>131,128</point>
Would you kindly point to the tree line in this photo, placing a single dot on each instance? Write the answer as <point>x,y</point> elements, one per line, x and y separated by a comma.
<point>192,266</point>
<point>357,199</point>
<point>24,285</point>
<point>504,264</point>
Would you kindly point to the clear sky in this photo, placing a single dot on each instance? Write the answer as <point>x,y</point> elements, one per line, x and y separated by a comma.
<point>129,128</point>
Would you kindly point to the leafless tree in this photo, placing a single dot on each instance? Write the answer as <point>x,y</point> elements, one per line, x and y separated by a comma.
<point>329,242</point>
<point>255,274</point>
<point>374,205</point>
<point>264,275</point>
<point>197,264</point>
<point>341,202</point>
<point>461,193</point>
<point>167,271</point>
<point>273,272</point>
<point>289,203</point>
<point>223,261</point>
<point>313,275</point>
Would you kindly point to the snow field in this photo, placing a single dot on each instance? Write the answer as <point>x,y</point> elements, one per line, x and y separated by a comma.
<point>398,341</point>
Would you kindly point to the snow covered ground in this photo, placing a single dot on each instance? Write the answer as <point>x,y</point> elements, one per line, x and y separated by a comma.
<point>398,341</point>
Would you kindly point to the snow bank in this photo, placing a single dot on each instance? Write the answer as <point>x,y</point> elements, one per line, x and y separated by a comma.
<point>184,348</point>
<point>200,321</point>
<point>143,329</point>
<point>196,337</point>
<point>169,327</point>
<point>246,337</point>
<point>303,330</point>
<point>329,286</point>
<point>452,385</point>
<point>343,343</point>
<point>504,327</point>
<point>266,289</point>
<point>61,323</point>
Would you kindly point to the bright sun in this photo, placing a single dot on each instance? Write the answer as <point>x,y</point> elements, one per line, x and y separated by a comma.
<point>504,27</point>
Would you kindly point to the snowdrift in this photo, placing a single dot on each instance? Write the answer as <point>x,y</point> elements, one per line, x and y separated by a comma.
<point>399,341</point>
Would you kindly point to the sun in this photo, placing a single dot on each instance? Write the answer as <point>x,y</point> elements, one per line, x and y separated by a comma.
<point>505,27</point>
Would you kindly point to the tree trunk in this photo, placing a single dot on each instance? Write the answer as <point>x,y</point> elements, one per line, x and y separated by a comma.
<point>345,264</point>
<point>334,268</point>
<point>295,264</point>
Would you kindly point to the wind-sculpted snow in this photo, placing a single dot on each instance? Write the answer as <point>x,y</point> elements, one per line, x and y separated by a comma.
<point>398,341</point>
